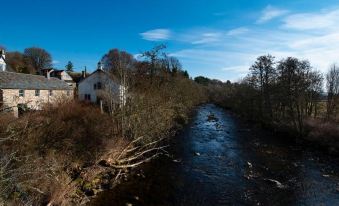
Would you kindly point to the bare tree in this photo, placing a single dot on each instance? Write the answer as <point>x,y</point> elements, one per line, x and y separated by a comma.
<point>332,85</point>
<point>120,64</point>
<point>154,58</point>
<point>39,58</point>
<point>264,75</point>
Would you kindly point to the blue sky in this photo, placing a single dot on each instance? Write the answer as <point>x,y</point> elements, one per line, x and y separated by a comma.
<point>219,39</point>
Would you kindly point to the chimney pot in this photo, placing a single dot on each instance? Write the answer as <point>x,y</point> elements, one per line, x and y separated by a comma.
<point>2,56</point>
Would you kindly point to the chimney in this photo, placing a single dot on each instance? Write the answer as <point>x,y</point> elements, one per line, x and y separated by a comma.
<point>3,53</point>
<point>2,60</point>
<point>83,73</point>
<point>48,73</point>
<point>100,66</point>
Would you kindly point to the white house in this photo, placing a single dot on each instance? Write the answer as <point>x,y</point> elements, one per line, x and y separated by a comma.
<point>2,60</point>
<point>100,87</point>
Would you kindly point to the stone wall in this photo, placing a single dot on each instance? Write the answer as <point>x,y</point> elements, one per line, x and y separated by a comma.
<point>11,98</point>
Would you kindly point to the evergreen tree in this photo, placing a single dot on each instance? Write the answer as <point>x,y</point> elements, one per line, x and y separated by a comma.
<point>69,66</point>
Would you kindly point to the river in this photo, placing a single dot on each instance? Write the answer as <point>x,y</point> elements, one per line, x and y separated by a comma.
<point>220,160</point>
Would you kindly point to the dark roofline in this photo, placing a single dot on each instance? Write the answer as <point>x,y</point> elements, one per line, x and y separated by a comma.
<point>98,70</point>
<point>14,80</point>
<point>35,88</point>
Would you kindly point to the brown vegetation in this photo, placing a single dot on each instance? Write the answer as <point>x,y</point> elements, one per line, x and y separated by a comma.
<point>67,152</point>
<point>31,61</point>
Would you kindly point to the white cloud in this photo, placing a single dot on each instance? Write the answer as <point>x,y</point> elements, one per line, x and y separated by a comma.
<point>156,35</point>
<point>237,31</point>
<point>270,13</point>
<point>318,41</point>
<point>209,61</point>
<point>239,68</point>
<point>208,38</point>
<point>55,62</point>
<point>230,59</point>
<point>224,55</point>
<point>138,56</point>
<point>316,20</point>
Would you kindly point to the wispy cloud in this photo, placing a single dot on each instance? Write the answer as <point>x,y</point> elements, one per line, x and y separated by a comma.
<point>138,56</point>
<point>223,54</point>
<point>270,13</point>
<point>217,61</point>
<point>55,62</point>
<point>208,38</point>
<point>231,57</point>
<point>238,68</point>
<point>316,20</point>
<point>237,31</point>
<point>156,35</point>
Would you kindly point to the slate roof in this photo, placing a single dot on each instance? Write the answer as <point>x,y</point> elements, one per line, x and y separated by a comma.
<point>112,77</point>
<point>13,80</point>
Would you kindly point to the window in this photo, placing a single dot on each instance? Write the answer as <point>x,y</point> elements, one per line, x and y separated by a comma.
<point>1,98</point>
<point>37,92</point>
<point>88,97</point>
<point>50,92</point>
<point>95,86</point>
<point>99,85</point>
<point>22,108</point>
<point>21,93</point>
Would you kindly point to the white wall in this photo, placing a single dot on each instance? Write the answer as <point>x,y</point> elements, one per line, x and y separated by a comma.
<point>65,76</point>
<point>87,86</point>
<point>2,65</point>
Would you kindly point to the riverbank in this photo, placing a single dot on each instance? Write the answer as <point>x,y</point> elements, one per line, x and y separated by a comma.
<point>69,152</point>
<point>229,162</point>
<point>319,134</point>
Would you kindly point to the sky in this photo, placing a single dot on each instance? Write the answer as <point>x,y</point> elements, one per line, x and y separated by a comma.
<point>215,38</point>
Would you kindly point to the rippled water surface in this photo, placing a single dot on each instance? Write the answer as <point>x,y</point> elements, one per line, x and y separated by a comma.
<point>217,160</point>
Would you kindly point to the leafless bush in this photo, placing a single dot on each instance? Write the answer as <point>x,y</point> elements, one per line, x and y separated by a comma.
<point>325,133</point>
<point>58,155</point>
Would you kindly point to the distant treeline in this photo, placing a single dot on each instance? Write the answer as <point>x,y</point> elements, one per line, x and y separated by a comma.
<point>286,94</point>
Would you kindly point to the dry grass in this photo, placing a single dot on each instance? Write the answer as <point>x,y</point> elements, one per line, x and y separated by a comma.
<point>325,133</point>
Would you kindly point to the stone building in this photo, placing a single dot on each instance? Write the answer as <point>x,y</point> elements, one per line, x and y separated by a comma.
<point>19,92</point>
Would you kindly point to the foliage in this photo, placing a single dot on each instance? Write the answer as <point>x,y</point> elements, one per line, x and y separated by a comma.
<point>69,66</point>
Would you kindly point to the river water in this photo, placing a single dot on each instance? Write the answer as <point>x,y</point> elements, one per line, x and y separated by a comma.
<point>219,160</point>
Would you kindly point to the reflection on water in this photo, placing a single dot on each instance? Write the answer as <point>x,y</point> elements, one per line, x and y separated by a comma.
<point>218,160</point>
